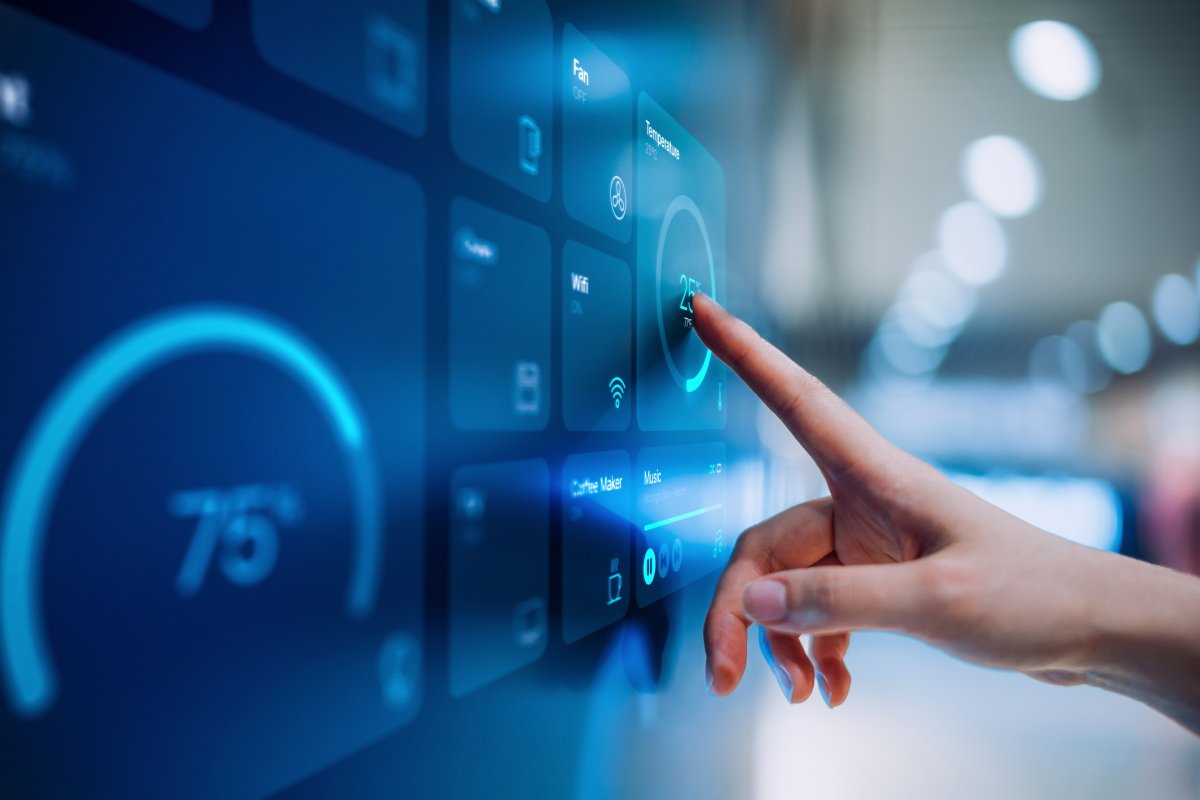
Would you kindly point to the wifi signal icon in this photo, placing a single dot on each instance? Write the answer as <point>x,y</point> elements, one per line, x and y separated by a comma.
<point>616,387</point>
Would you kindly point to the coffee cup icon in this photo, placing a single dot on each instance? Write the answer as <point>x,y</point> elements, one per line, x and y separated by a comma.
<point>615,582</point>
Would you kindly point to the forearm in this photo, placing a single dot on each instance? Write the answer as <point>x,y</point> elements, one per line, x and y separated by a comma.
<point>1149,631</point>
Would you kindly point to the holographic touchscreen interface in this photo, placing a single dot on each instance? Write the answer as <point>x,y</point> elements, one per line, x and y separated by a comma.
<point>353,426</point>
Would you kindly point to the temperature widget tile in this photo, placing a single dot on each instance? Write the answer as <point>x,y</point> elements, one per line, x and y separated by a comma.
<point>681,250</point>
<point>499,320</point>
<point>597,138</point>
<point>597,511</point>
<point>233,556</point>
<point>499,570</point>
<point>369,54</point>
<point>597,340</point>
<point>502,90</point>
<point>680,517</point>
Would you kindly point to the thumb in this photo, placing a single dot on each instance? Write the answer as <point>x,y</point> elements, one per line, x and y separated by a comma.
<point>898,597</point>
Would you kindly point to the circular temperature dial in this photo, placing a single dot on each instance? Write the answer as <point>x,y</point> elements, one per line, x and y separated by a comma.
<point>684,267</point>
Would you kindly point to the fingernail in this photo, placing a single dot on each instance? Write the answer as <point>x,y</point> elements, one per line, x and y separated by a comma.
<point>781,675</point>
<point>708,676</point>
<point>823,687</point>
<point>765,601</point>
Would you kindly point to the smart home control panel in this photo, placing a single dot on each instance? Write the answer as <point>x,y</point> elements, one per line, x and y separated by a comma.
<point>351,382</point>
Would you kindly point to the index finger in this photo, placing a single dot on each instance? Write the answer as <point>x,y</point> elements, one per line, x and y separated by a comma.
<point>832,433</point>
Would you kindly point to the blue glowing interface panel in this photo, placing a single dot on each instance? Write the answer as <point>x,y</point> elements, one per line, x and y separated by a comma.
<point>681,250</point>
<point>597,508</point>
<point>680,517</point>
<point>500,374</point>
<point>502,90</point>
<point>597,140</point>
<point>353,428</point>
<point>597,340</point>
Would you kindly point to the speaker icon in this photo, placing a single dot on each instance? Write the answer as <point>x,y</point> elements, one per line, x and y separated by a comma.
<point>616,388</point>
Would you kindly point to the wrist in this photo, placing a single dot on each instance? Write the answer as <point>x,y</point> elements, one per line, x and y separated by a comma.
<point>1147,637</point>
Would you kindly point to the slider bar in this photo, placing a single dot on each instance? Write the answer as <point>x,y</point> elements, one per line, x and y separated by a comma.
<point>679,517</point>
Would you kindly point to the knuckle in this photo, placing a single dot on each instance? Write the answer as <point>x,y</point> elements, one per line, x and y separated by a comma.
<point>951,592</point>
<point>817,602</point>
<point>949,583</point>
<point>750,543</point>
<point>792,404</point>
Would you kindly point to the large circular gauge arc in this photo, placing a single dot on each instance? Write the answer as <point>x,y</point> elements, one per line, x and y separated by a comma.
<point>86,392</point>
<point>681,203</point>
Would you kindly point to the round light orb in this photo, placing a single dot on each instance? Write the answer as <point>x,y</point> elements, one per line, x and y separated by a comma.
<point>933,305</point>
<point>1002,173</point>
<point>1054,60</point>
<point>972,243</point>
<point>912,321</point>
<point>905,356</point>
<point>1123,336</point>
<point>1058,359</point>
<point>1176,307</point>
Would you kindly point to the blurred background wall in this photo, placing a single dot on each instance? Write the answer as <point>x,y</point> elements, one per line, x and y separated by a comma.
<point>982,227</point>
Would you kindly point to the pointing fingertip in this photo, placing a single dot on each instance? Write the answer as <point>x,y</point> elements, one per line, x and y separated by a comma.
<point>765,601</point>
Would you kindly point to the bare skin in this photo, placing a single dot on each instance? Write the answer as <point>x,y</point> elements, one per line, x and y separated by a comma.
<point>897,546</point>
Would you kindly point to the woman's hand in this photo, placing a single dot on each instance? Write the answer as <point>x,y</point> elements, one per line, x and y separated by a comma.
<point>897,546</point>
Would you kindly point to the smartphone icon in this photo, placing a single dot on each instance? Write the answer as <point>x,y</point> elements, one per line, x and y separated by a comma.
<point>529,145</point>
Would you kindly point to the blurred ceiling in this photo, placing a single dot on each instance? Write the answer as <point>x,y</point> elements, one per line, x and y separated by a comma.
<point>878,100</point>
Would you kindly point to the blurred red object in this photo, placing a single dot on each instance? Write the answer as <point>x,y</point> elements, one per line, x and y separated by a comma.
<point>1170,528</point>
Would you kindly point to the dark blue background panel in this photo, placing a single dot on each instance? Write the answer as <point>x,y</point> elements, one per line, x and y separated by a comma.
<point>370,54</point>
<point>499,571</point>
<point>194,14</point>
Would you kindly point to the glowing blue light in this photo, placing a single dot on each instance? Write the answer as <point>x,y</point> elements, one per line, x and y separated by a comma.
<point>1176,306</point>
<point>86,393</point>
<point>1123,337</point>
<point>1059,359</point>
<point>680,517</point>
<point>894,352</point>
<point>1054,60</point>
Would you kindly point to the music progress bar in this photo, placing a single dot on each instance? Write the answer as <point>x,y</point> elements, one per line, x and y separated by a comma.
<point>680,517</point>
